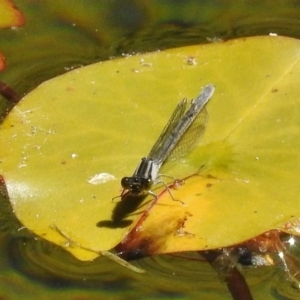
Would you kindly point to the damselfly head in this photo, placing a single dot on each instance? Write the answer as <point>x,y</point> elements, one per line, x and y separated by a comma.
<point>136,184</point>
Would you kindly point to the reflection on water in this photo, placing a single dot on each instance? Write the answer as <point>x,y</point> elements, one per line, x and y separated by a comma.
<point>57,38</point>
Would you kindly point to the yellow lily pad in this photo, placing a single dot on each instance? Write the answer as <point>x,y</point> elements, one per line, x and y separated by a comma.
<point>10,16</point>
<point>71,140</point>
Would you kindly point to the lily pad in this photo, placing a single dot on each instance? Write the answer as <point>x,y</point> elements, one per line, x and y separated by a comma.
<point>10,16</point>
<point>94,124</point>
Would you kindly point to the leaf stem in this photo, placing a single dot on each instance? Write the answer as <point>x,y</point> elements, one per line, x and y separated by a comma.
<point>235,281</point>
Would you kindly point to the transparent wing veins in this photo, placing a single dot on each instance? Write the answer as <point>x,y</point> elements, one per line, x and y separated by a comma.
<point>183,130</point>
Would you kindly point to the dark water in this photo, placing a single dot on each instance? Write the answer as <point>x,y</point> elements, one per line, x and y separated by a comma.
<point>62,35</point>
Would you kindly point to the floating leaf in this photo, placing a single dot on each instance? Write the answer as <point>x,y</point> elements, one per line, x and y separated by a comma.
<point>9,15</point>
<point>94,124</point>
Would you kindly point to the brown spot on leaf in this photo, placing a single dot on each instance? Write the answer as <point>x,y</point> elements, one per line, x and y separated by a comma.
<point>140,243</point>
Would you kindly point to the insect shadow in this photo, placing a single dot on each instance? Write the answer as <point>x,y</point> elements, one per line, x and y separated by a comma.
<point>127,206</point>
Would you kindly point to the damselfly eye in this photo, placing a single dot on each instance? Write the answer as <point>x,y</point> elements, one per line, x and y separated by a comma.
<point>125,182</point>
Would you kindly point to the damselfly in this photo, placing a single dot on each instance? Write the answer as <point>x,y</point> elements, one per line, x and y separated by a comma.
<point>179,136</point>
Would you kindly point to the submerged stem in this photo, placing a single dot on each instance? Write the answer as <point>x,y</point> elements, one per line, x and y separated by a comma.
<point>8,93</point>
<point>235,281</point>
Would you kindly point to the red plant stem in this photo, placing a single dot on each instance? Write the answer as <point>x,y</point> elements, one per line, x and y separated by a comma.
<point>8,93</point>
<point>235,281</point>
<point>155,200</point>
<point>237,286</point>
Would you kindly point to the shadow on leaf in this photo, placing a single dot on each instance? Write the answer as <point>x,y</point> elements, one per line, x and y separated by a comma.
<point>129,203</point>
